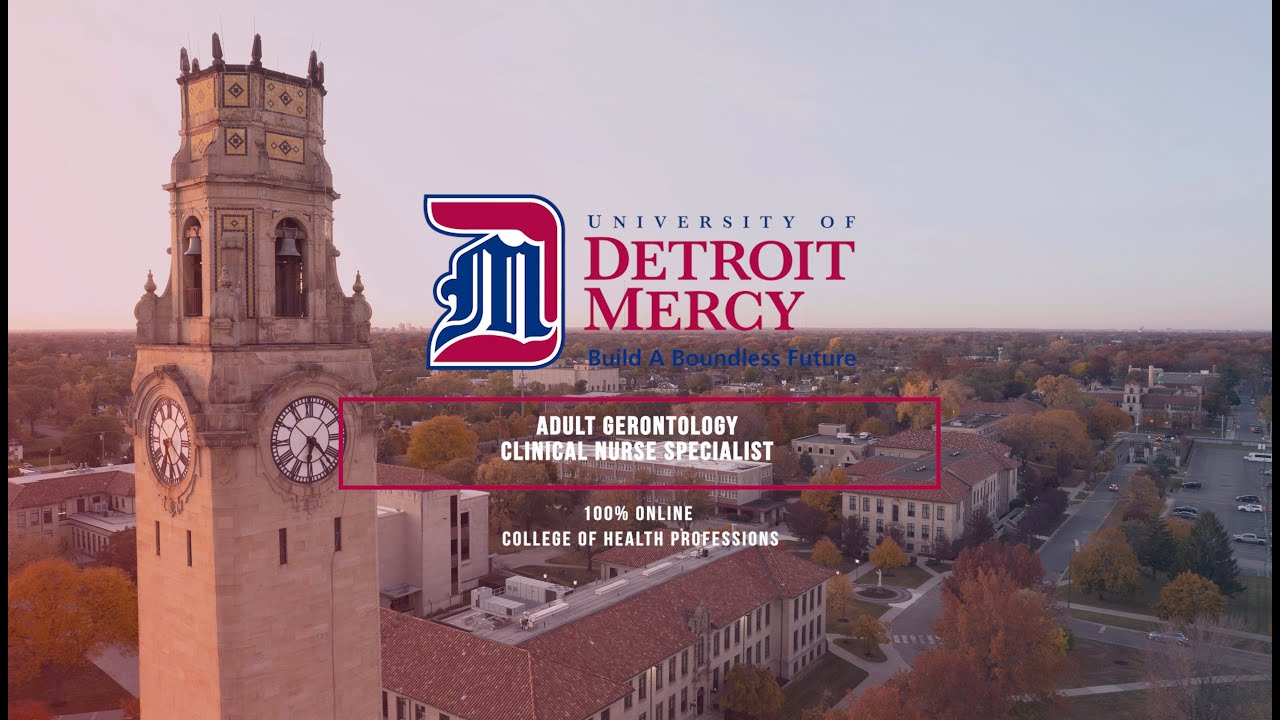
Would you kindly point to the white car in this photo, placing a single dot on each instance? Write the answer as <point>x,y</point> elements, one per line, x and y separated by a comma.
<point>1251,507</point>
<point>1249,538</point>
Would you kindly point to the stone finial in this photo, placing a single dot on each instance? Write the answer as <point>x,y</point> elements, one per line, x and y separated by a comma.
<point>195,65</point>
<point>217,52</point>
<point>256,53</point>
<point>313,67</point>
<point>358,288</point>
<point>320,74</point>
<point>184,64</point>
<point>150,285</point>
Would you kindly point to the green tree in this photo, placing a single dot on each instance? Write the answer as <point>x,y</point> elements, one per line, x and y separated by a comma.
<point>59,617</point>
<point>752,691</point>
<point>441,439</point>
<point>1153,543</point>
<point>1189,599</point>
<point>1208,553</point>
<point>1106,564</point>
<point>90,435</point>
<point>1140,498</point>
<point>807,466</point>
<point>121,552</point>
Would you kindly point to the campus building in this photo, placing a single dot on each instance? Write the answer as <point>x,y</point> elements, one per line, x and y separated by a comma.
<point>653,645</point>
<point>84,507</point>
<point>1156,406</point>
<point>594,379</point>
<point>976,472</point>
<point>833,446</point>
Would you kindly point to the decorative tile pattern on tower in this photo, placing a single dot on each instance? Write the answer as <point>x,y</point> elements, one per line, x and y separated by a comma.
<point>236,141</point>
<point>235,90</point>
<point>283,97</point>
<point>200,143</point>
<point>200,96</point>
<point>285,147</point>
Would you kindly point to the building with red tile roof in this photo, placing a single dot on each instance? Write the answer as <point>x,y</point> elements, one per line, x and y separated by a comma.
<point>85,507</point>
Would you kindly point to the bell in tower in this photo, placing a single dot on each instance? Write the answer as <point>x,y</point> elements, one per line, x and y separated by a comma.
<point>256,572</point>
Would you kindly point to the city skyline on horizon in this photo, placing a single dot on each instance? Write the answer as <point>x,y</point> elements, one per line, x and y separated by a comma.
<point>1002,177</point>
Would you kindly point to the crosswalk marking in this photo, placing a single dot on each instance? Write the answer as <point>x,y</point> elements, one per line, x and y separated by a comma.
<point>915,640</point>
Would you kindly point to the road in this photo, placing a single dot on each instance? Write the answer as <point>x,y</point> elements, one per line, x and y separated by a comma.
<point>1225,474</point>
<point>1217,654</point>
<point>1055,554</point>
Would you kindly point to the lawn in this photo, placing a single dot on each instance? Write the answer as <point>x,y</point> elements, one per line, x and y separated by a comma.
<point>1117,621</point>
<point>1140,603</point>
<point>832,676</point>
<point>846,566</point>
<point>907,577</point>
<point>575,557</point>
<point>1251,609</point>
<point>841,627</point>
<point>1099,663</point>
<point>858,648</point>
<point>88,689</point>
<point>1135,705</point>
<point>559,575</point>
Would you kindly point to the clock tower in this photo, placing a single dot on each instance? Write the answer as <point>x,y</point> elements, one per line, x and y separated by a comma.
<point>256,575</point>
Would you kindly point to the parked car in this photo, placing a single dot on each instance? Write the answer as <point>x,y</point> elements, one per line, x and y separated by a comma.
<point>1171,636</point>
<point>1252,507</point>
<point>1258,457</point>
<point>1113,487</point>
<point>1247,498</point>
<point>1192,485</point>
<point>1249,538</point>
<point>1187,509</point>
<point>1255,430</point>
<point>1184,515</point>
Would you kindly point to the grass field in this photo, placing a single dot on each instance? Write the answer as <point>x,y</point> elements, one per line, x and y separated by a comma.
<point>857,648</point>
<point>1250,610</point>
<point>841,627</point>
<point>1117,621</point>
<point>832,676</point>
<point>1136,705</point>
<point>907,577</point>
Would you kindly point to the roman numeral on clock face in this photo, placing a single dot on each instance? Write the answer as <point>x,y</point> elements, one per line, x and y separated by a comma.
<point>304,440</point>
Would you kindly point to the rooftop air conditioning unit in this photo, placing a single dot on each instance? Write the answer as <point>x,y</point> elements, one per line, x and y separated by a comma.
<point>864,435</point>
<point>955,453</point>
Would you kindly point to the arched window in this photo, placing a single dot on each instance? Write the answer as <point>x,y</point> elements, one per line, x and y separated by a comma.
<point>291,296</point>
<point>192,270</point>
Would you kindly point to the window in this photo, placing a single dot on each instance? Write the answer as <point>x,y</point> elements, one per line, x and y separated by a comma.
<point>715,680</point>
<point>684,699</point>
<point>79,505</point>
<point>48,516</point>
<point>188,548</point>
<point>466,520</point>
<point>942,513</point>
<point>22,519</point>
<point>604,714</point>
<point>924,511</point>
<point>684,663</point>
<point>284,546</point>
<point>384,703</point>
<point>290,280</point>
<point>157,538</point>
<point>671,708</point>
<point>453,511</point>
<point>880,505</point>
<point>715,645</point>
<point>628,700</point>
<point>747,620</point>
<point>671,670</point>
<point>766,614</point>
<point>758,658</point>
<point>62,511</point>
<point>419,712</point>
<point>657,677</point>
<point>911,509</point>
<point>795,609</point>
<point>795,640</point>
<point>644,685</point>
<point>759,617</point>
<point>737,633</point>
<point>924,530</point>
<point>402,709</point>
<point>466,544</point>
<point>337,534</point>
<point>766,646</point>
<point>819,594</point>
<point>726,639</point>
<point>911,530</point>
<point>880,525</point>
<point>866,504</point>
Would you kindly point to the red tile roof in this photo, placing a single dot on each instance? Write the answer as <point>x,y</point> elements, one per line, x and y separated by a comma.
<point>976,468</point>
<point>876,465</point>
<point>1016,406</point>
<point>468,676</point>
<point>924,440</point>
<point>953,490</point>
<point>55,490</point>
<point>635,556</point>
<point>639,632</point>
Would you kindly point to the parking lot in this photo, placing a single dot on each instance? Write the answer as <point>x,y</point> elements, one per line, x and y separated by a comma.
<point>1225,475</point>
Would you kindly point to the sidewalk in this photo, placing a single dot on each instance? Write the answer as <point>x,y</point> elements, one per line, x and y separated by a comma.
<point>1129,687</point>
<point>896,609</point>
<point>121,667</point>
<point>1154,619</point>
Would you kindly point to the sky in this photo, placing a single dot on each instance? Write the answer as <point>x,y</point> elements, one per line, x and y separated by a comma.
<point>1011,164</point>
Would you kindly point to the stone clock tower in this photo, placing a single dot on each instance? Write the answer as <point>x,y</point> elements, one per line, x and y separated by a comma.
<point>256,574</point>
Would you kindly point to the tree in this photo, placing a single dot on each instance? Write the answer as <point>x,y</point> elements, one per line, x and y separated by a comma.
<point>786,467</point>
<point>825,553</point>
<point>24,550</point>
<point>854,539</point>
<point>1053,438</point>
<point>893,700</point>
<point>840,596</point>
<point>888,556</point>
<point>29,402</point>
<point>1017,562</point>
<point>1190,599</point>
<point>1106,564</point>
<point>1208,553</point>
<point>940,551</point>
<point>441,439</point>
<point>869,631</point>
<point>460,470</point>
<point>751,690</point>
<point>90,435</point>
<point>60,616</point>
<point>1163,467</point>
<point>29,710</point>
<point>978,529</point>
<point>1105,420</point>
<point>1009,634</point>
<point>807,465</point>
<point>807,522</point>
<point>121,552</point>
<point>827,501</point>
<point>1140,498</point>
<point>394,442</point>
<point>948,688</point>
<point>1061,392</point>
<point>875,426</point>
<point>1153,543</point>
<point>510,508</point>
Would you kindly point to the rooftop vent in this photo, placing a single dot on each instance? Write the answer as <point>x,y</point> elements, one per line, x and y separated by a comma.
<point>610,587</point>
<point>955,453</point>
<point>921,468</point>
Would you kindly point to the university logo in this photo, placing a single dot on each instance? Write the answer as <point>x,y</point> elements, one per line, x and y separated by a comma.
<point>503,295</point>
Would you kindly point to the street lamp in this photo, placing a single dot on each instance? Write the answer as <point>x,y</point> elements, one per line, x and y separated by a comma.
<point>1074,548</point>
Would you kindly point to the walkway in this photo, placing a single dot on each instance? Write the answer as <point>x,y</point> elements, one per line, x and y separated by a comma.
<point>1154,619</point>
<point>1129,687</point>
<point>121,667</point>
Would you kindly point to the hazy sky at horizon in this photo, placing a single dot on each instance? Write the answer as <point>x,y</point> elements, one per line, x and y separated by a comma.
<point>1011,164</point>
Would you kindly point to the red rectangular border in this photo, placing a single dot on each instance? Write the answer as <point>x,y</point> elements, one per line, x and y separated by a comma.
<point>937,449</point>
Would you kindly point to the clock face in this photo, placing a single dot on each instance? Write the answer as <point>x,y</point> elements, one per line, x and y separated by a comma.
<point>169,442</point>
<point>304,440</point>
